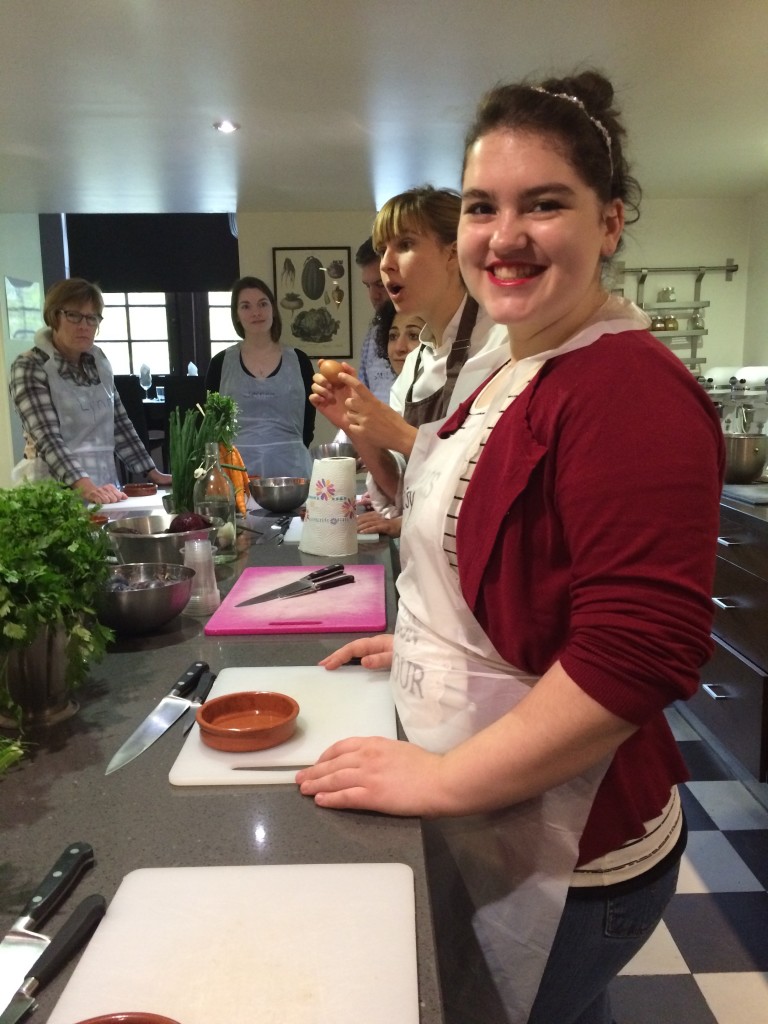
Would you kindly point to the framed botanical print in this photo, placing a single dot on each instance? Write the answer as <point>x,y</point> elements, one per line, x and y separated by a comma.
<point>312,288</point>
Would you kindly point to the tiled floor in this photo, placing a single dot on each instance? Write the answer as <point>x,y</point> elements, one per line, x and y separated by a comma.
<point>707,963</point>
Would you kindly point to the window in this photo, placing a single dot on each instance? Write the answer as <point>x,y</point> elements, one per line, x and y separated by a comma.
<point>222,333</point>
<point>135,331</point>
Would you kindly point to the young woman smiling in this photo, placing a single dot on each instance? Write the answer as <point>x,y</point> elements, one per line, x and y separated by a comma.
<point>558,556</point>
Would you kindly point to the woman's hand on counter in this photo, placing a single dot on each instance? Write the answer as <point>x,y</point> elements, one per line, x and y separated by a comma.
<point>107,494</point>
<point>369,651</point>
<point>375,522</point>
<point>375,774</point>
<point>161,479</point>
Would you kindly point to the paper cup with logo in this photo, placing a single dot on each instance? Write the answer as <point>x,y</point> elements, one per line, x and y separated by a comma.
<point>330,523</point>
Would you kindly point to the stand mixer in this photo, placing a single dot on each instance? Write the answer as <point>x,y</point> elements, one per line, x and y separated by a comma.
<point>742,405</point>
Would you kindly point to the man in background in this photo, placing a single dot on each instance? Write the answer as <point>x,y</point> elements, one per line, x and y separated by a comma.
<point>375,371</point>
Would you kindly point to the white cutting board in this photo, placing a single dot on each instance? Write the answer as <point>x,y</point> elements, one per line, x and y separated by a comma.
<point>132,506</point>
<point>272,944</point>
<point>293,533</point>
<point>351,701</point>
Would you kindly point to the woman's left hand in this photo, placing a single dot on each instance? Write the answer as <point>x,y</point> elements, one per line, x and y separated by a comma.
<point>161,479</point>
<point>375,522</point>
<point>374,774</point>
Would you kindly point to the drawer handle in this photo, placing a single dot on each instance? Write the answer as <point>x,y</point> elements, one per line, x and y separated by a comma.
<point>724,602</point>
<point>716,691</point>
<point>728,542</point>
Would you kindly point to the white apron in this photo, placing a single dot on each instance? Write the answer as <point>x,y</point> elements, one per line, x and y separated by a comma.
<point>449,682</point>
<point>86,421</point>
<point>270,418</point>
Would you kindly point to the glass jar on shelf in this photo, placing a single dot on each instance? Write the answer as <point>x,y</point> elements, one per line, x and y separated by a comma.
<point>657,323</point>
<point>696,322</point>
<point>670,323</point>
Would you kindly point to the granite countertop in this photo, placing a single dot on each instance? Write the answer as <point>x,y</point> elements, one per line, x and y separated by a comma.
<point>134,818</point>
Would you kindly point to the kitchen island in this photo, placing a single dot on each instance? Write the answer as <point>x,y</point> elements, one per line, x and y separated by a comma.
<point>134,818</point>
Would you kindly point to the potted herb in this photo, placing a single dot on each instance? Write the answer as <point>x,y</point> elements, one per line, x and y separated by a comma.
<point>53,563</point>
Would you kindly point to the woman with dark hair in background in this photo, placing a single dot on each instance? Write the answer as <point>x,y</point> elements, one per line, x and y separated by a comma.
<point>72,417</point>
<point>555,597</point>
<point>269,382</point>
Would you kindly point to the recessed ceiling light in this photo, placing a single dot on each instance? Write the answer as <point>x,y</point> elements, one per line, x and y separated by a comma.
<point>227,127</point>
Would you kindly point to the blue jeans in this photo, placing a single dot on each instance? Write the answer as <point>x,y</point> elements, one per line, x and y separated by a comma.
<point>594,941</point>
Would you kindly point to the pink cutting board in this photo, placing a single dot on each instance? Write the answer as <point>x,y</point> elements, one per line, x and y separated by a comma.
<point>354,608</point>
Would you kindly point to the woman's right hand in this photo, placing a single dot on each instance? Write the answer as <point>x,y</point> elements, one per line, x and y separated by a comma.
<point>372,651</point>
<point>95,495</point>
<point>330,398</point>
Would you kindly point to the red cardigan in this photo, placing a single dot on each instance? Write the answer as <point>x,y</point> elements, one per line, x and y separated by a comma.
<point>587,534</point>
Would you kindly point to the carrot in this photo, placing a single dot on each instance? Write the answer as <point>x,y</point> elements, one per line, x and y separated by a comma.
<point>231,461</point>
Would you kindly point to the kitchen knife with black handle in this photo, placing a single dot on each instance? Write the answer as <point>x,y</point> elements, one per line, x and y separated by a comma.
<point>319,579</point>
<point>169,710</point>
<point>72,935</point>
<point>23,945</point>
<point>200,697</point>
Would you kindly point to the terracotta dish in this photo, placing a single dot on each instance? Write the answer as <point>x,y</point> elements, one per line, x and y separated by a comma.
<point>251,720</point>
<point>139,490</point>
<point>129,1018</point>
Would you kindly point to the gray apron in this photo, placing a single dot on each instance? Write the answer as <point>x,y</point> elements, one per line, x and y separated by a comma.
<point>435,406</point>
<point>270,417</point>
<point>86,420</point>
<point>449,682</point>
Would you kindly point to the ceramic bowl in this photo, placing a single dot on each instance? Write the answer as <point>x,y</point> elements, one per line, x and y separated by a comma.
<point>250,720</point>
<point>139,490</point>
<point>279,493</point>
<point>154,594</point>
<point>146,538</point>
<point>134,1017</point>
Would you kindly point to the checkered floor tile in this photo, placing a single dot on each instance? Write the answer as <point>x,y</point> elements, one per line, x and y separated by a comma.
<point>707,962</point>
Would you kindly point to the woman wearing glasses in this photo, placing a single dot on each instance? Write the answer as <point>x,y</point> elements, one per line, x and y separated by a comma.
<point>72,417</point>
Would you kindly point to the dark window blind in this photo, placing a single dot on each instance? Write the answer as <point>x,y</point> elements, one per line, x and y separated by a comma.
<point>169,252</point>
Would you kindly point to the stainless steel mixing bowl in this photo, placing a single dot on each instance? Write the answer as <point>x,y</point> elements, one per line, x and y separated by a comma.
<point>333,450</point>
<point>745,457</point>
<point>280,493</point>
<point>146,539</point>
<point>154,594</point>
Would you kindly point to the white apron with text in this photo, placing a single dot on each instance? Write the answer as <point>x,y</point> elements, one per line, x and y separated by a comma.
<point>86,421</point>
<point>449,682</point>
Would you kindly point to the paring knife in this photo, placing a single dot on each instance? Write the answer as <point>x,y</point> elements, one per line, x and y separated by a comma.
<point>170,708</point>
<point>319,579</point>
<point>72,935</point>
<point>200,697</point>
<point>22,945</point>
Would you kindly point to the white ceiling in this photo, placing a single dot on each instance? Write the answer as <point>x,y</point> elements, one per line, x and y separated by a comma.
<point>106,106</point>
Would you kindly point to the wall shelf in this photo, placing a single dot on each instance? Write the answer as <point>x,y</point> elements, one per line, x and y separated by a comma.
<point>694,361</point>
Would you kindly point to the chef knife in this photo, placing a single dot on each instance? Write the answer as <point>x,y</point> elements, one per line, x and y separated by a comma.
<point>170,708</point>
<point>66,942</point>
<point>319,579</point>
<point>23,945</point>
<point>200,697</point>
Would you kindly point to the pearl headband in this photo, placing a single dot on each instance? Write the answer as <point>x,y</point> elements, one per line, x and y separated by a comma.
<point>598,124</point>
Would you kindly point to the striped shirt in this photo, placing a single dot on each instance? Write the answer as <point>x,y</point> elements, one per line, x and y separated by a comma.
<point>40,422</point>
